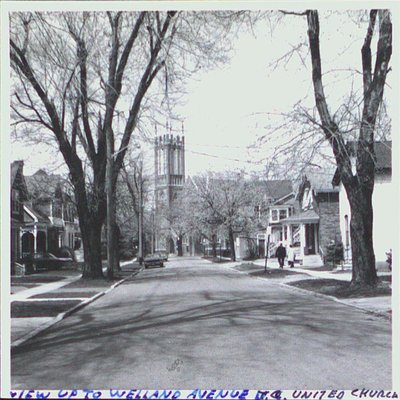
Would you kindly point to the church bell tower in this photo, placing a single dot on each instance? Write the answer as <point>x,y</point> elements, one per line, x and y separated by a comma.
<point>169,165</point>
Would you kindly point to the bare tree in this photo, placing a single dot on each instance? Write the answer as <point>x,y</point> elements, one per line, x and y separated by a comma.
<point>359,184</point>
<point>227,203</point>
<point>351,131</point>
<point>85,78</point>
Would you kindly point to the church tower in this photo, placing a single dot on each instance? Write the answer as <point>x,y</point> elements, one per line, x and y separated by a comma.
<point>169,165</point>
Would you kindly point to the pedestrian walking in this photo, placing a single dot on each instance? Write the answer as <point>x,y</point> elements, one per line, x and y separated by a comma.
<point>291,256</point>
<point>280,255</point>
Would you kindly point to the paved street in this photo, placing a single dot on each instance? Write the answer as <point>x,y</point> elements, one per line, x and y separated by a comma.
<point>195,324</point>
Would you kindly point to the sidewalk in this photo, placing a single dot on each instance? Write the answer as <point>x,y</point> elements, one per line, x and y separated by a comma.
<point>380,305</point>
<point>38,301</point>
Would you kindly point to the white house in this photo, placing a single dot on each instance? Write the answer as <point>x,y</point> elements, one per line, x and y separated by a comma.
<point>384,205</point>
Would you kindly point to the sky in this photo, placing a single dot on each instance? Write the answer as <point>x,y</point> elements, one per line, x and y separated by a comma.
<point>228,108</point>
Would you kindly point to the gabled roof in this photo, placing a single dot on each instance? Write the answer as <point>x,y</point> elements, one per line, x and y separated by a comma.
<point>274,189</point>
<point>278,188</point>
<point>33,212</point>
<point>321,179</point>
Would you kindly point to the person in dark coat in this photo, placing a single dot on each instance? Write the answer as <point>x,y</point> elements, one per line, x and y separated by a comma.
<point>280,255</point>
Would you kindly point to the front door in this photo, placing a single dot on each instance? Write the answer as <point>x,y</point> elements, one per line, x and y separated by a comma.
<point>310,239</point>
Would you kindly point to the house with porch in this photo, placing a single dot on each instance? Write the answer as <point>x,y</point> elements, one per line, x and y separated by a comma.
<point>18,194</point>
<point>52,204</point>
<point>314,223</point>
<point>384,202</point>
<point>43,217</point>
<point>276,204</point>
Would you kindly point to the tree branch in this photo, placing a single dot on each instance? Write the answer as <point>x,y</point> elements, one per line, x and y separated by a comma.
<point>330,128</point>
<point>145,82</point>
<point>366,54</point>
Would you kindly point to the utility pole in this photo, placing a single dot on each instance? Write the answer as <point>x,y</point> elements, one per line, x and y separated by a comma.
<point>111,245</point>
<point>152,232</point>
<point>140,213</point>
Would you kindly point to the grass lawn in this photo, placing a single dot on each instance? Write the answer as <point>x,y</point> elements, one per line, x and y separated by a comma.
<point>28,279</point>
<point>91,283</point>
<point>26,309</point>
<point>343,289</point>
<point>274,273</point>
<point>60,295</point>
<point>257,270</point>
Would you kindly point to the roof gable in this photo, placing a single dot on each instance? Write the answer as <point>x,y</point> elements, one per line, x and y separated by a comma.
<point>279,188</point>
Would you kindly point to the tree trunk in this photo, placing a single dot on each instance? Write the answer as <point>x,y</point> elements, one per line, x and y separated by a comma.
<point>359,187</point>
<point>91,240</point>
<point>361,225</point>
<point>90,221</point>
<point>232,245</point>
<point>214,246</point>
<point>179,245</point>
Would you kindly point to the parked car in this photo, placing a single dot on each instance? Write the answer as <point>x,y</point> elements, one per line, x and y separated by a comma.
<point>153,259</point>
<point>45,261</point>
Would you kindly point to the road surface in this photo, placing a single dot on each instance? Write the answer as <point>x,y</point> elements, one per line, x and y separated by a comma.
<point>193,324</point>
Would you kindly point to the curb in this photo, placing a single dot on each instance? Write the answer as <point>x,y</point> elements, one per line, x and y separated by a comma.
<point>67,313</point>
<point>321,295</point>
<point>333,298</point>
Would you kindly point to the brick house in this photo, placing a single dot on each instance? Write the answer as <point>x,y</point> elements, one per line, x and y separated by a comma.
<point>314,222</point>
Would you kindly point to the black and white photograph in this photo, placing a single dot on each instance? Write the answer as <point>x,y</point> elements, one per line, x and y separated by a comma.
<point>200,199</point>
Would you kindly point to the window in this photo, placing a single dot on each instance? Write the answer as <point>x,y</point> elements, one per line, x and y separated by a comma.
<point>279,214</point>
<point>282,214</point>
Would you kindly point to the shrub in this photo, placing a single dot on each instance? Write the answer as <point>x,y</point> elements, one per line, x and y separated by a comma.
<point>334,252</point>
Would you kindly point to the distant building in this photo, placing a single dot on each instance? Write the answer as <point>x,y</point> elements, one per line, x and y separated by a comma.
<point>169,156</point>
<point>383,202</point>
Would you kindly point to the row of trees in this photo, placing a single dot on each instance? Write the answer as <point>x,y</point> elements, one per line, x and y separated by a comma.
<point>85,79</point>
<point>216,205</point>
